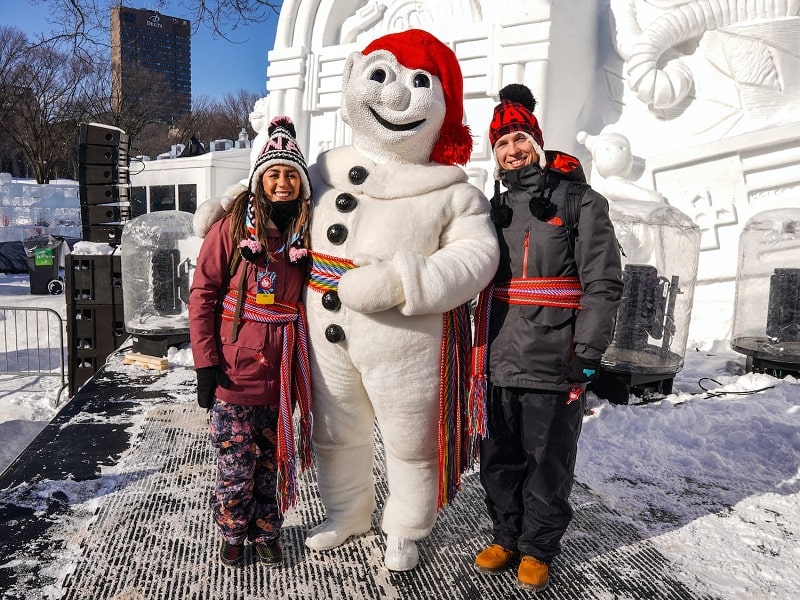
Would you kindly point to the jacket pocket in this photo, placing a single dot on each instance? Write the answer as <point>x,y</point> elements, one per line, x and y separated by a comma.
<point>245,359</point>
<point>550,333</point>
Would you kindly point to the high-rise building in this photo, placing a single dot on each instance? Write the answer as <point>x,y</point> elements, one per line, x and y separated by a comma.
<point>151,61</point>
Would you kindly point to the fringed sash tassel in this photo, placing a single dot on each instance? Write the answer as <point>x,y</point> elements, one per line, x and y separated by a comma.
<point>458,442</point>
<point>295,384</point>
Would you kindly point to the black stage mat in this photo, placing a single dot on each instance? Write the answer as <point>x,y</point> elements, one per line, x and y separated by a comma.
<point>111,501</point>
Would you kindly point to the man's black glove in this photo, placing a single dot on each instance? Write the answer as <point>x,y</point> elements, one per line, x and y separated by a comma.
<point>208,378</point>
<point>584,370</point>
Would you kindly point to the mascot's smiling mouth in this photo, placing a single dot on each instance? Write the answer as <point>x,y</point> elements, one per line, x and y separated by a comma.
<point>393,126</point>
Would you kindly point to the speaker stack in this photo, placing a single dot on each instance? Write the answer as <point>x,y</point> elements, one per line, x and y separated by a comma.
<point>95,320</point>
<point>104,183</point>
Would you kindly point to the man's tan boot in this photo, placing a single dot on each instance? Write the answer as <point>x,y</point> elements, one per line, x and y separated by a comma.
<point>494,558</point>
<point>532,574</point>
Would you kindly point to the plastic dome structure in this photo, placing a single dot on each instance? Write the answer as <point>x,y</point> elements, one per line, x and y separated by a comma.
<point>766,319</point>
<point>661,247</point>
<point>158,255</point>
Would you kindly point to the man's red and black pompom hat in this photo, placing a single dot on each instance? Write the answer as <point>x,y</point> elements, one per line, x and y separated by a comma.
<point>515,113</point>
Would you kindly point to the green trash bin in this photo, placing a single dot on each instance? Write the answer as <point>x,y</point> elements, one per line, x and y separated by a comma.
<point>44,260</point>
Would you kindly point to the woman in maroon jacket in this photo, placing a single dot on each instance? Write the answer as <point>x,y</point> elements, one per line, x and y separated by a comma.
<point>248,338</point>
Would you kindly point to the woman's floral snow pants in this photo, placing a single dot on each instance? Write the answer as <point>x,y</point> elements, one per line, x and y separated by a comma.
<point>244,502</point>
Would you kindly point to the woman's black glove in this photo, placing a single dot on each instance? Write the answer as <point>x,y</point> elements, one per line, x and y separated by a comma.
<point>584,370</point>
<point>208,378</point>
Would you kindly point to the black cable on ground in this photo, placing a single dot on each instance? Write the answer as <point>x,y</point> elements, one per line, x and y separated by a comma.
<point>710,394</point>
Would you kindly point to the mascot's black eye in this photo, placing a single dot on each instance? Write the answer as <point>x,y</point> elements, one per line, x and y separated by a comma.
<point>421,80</point>
<point>378,75</point>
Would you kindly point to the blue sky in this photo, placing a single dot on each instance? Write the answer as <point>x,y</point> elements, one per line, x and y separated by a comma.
<point>218,66</point>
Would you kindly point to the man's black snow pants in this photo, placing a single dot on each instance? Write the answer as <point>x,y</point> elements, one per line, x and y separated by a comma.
<point>527,468</point>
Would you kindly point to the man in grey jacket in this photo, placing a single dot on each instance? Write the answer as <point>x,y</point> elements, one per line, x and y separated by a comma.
<point>541,329</point>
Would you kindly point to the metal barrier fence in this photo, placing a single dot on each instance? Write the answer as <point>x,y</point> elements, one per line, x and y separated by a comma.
<point>32,344</point>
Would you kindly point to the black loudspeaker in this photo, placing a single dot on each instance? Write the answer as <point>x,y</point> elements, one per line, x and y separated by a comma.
<point>103,194</point>
<point>103,161</point>
<point>166,293</point>
<point>783,310</point>
<point>91,154</point>
<point>105,213</point>
<point>99,174</point>
<point>105,233</point>
<point>641,313</point>
<point>101,135</point>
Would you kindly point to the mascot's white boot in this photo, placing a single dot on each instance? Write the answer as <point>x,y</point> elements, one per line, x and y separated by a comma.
<point>351,513</point>
<point>401,554</point>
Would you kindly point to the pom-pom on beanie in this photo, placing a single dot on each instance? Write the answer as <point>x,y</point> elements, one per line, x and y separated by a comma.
<point>418,49</point>
<point>281,149</point>
<point>515,113</point>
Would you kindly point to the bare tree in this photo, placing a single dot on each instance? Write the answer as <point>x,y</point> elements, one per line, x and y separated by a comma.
<point>46,93</point>
<point>13,45</point>
<point>133,111</point>
<point>43,105</point>
<point>235,110</point>
<point>212,120</point>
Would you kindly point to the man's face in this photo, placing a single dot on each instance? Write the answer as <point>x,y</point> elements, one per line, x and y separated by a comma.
<point>394,112</point>
<point>514,150</point>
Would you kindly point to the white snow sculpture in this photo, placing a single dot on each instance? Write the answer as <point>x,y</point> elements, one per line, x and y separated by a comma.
<point>613,168</point>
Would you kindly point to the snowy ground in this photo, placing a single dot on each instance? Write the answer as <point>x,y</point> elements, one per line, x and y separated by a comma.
<point>26,404</point>
<point>712,478</point>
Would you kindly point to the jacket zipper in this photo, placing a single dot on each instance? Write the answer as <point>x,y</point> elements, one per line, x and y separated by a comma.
<point>525,244</point>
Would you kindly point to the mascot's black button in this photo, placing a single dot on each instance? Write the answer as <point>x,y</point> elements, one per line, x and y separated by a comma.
<point>334,334</point>
<point>345,202</point>
<point>330,300</point>
<point>357,175</point>
<point>337,233</point>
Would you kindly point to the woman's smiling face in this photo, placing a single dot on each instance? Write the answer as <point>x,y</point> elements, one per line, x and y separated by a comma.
<point>281,183</point>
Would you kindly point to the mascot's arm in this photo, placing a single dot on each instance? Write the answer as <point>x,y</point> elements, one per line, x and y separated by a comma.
<point>373,287</point>
<point>463,265</point>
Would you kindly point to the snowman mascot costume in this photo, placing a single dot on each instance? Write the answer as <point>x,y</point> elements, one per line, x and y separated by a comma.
<point>400,242</point>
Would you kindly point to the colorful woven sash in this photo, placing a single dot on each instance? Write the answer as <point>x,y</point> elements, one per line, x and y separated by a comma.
<point>457,435</point>
<point>326,272</point>
<point>561,292</point>
<point>295,383</point>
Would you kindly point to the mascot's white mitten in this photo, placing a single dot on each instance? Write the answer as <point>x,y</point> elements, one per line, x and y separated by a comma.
<point>373,287</point>
<point>212,210</point>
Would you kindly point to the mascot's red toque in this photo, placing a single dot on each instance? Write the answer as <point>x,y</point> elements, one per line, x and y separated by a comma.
<point>418,49</point>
